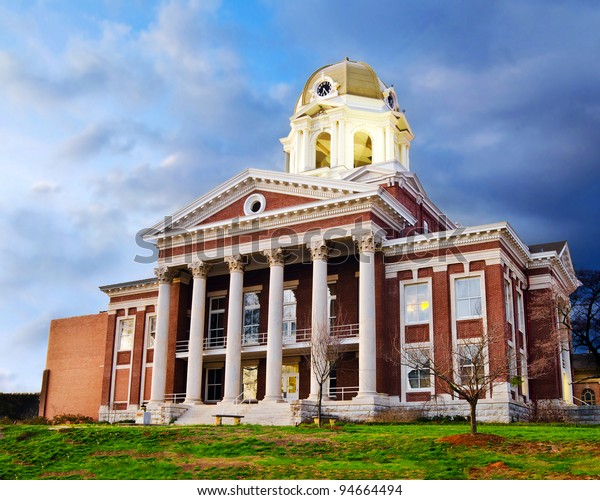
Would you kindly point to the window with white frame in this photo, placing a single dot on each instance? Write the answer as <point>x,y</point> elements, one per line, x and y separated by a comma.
<point>251,318</point>
<point>216,322</point>
<point>417,305</point>
<point>508,308</point>
<point>471,364</point>
<point>520,312</point>
<point>289,316</point>
<point>332,304</point>
<point>418,373</point>
<point>125,342</point>
<point>468,297</point>
<point>150,331</point>
<point>425,227</point>
<point>419,378</point>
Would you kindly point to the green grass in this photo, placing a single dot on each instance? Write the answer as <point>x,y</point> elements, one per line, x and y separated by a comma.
<point>411,451</point>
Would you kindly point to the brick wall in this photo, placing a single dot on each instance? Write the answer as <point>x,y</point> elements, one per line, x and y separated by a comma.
<point>76,355</point>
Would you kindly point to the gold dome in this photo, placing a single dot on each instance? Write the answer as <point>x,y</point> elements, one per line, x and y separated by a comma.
<point>353,77</point>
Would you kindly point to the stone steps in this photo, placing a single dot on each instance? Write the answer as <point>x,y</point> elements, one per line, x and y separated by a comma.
<point>263,413</point>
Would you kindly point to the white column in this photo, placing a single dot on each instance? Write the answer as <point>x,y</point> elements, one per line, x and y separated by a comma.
<point>319,253</point>
<point>367,347</point>
<point>276,259</point>
<point>193,390</point>
<point>389,143</point>
<point>307,152</point>
<point>378,145</point>
<point>235,311</point>
<point>161,342</point>
<point>341,145</point>
<point>298,152</point>
<point>333,145</point>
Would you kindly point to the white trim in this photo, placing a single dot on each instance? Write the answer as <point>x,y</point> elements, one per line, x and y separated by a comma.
<point>251,200</point>
<point>404,385</point>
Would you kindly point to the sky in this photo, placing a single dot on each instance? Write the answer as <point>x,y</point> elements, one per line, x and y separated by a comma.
<point>114,114</point>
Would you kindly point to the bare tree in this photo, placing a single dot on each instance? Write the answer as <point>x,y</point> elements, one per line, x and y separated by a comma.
<point>325,352</point>
<point>581,315</point>
<point>472,368</point>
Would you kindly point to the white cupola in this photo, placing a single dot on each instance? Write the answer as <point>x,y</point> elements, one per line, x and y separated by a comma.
<point>346,118</point>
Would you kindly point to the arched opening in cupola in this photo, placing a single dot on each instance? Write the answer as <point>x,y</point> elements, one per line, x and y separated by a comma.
<point>363,149</point>
<point>323,150</point>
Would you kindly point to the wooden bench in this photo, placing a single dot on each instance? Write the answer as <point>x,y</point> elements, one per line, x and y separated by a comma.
<point>236,419</point>
<point>327,418</point>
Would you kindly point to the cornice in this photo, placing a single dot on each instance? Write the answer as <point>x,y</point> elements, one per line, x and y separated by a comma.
<point>378,201</point>
<point>121,289</point>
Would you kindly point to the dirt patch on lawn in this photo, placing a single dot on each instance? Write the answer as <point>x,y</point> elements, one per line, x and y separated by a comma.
<point>470,440</point>
<point>82,474</point>
<point>208,463</point>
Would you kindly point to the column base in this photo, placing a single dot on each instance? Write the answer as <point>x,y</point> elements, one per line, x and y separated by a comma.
<point>272,399</point>
<point>193,402</point>
<point>372,398</point>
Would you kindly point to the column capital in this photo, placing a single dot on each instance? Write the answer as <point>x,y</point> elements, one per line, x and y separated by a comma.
<point>164,274</point>
<point>235,263</point>
<point>275,256</point>
<point>318,250</point>
<point>367,242</point>
<point>199,269</point>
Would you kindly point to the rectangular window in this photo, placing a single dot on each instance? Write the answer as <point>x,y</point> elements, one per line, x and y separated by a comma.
<point>417,306</point>
<point>419,378</point>
<point>289,316</point>
<point>521,311</point>
<point>468,298</point>
<point>216,321</point>
<point>150,332</point>
<point>126,334</point>
<point>214,384</point>
<point>508,306</point>
<point>251,318</point>
<point>417,372</point>
<point>471,365</point>
<point>332,304</point>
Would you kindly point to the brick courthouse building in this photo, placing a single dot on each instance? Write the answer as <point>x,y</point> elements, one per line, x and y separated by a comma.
<point>345,243</point>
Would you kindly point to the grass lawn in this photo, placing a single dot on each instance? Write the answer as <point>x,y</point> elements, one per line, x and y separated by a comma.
<point>398,451</point>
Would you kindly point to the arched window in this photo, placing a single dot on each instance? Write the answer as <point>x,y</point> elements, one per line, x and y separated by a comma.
<point>588,397</point>
<point>323,150</point>
<point>363,149</point>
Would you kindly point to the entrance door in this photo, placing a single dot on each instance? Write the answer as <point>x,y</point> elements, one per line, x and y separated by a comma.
<point>290,386</point>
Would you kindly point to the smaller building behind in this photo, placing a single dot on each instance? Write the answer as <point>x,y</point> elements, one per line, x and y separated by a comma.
<point>76,352</point>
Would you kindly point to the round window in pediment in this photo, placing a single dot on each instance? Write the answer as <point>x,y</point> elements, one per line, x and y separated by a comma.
<point>255,204</point>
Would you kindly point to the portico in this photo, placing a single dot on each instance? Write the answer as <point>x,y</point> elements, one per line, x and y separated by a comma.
<point>279,355</point>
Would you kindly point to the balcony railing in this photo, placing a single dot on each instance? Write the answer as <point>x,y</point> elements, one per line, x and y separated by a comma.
<point>343,393</point>
<point>260,339</point>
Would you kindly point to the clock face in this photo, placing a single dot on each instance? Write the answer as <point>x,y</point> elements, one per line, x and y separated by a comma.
<point>391,101</point>
<point>323,88</point>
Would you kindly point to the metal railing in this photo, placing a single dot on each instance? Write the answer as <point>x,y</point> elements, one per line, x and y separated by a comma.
<point>297,337</point>
<point>178,397</point>
<point>343,393</point>
<point>583,403</point>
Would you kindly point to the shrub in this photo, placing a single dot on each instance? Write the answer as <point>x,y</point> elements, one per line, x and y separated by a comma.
<point>72,419</point>
<point>37,421</point>
<point>547,411</point>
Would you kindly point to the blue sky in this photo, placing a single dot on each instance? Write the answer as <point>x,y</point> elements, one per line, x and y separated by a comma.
<point>114,114</point>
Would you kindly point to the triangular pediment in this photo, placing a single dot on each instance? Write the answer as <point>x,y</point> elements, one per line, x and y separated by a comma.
<point>275,190</point>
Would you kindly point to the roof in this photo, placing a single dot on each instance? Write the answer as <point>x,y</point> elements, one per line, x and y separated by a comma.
<point>353,77</point>
<point>128,284</point>
<point>556,246</point>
